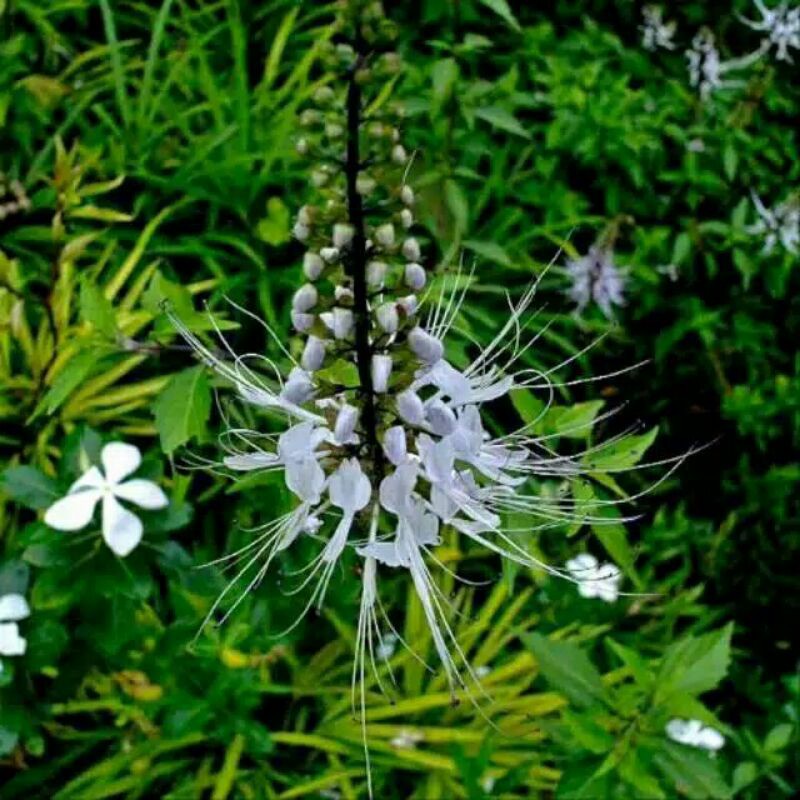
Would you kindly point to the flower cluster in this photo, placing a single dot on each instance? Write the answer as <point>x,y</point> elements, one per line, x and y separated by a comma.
<point>780,26</point>
<point>778,224</point>
<point>656,33</point>
<point>596,278</point>
<point>693,733</point>
<point>122,529</point>
<point>595,580</point>
<point>706,68</point>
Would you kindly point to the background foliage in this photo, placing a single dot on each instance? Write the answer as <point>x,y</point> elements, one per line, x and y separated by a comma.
<point>155,142</point>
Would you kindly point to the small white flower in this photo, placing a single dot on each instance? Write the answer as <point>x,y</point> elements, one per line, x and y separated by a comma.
<point>406,218</point>
<point>384,235</point>
<point>415,276</point>
<point>344,429</point>
<point>781,25</point>
<point>343,294</point>
<point>411,249</point>
<point>312,266</point>
<point>343,234</point>
<point>408,304</point>
<point>395,446</point>
<point>330,254</point>
<point>779,224</point>
<point>301,146</point>
<point>593,579</point>
<point>301,232</point>
<point>13,608</point>
<point>407,195</point>
<point>365,185</point>
<point>122,530</point>
<point>693,733</point>
<point>313,354</point>
<point>305,298</point>
<point>595,277</point>
<point>426,347</point>
<point>707,70</point>
<point>410,407</point>
<point>376,273</point>
<point>339,322</point>
<point>399,155</point>
<point>387,317</point>
<point>301,321</point>
<point>381,367</point>
<point>299,388</point>
<point>655,31</point>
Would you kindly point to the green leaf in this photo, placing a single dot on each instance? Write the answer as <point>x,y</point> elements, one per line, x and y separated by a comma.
<point>491,251</point>
<point>74,373</point>
<point>444,75</point>
<point>97,309</point>
<point>621,454</point>
<point>502,9</point>
<point>693,773</point>
<point>340,373</point>
<point>695,664</point>
<point>778,737</point>
<point>567,668</point>
<point>183,408</point>
<point>30,487</point>
<point>458,205</point>
<point>503,120</point>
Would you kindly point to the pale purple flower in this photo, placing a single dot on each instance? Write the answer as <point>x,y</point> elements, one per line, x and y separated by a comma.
<point>596,278</point>
<point>779,224</point>
<point>780,26</point>
<point>656,32</point>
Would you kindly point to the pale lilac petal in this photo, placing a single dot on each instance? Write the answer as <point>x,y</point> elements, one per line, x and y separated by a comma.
<point>73,512</point>
<point>13,607</point>
<point>120,460</point>
<point>349,487</point>
<point>142,493</point>
<point>306,479</point>
<point>245,462</point>
<point>122,530</point>
<point>11,643</point>
<point>384,553</point>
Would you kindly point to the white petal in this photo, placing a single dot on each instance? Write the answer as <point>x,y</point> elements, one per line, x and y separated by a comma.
<point>144,494</point>
<point>582,565</point>
<point>73,512</point>
<point>306,479</point>
<point>13,607</point>
<point>120,460</point>
<point>394,445</point>
<point>245,462</point>
<point>395,490</point>
<point>710,739</point>
<point>349,488</point>
<point>122,529</point>
<point>384,553</point>
<point>91,479</point>
<point>11,643</point>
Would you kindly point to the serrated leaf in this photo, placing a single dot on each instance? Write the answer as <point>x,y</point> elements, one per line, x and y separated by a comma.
<point>567,668</point>
<point>502,9</point>
<point>503,120</point>
<point>695,664</point>
<point>71,376</point>
<point>182,409</point>
<point>97,309</point>
<point>693,773</point>
<point>621,454</point>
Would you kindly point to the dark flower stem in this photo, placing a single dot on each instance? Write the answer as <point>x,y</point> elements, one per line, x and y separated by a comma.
<point>357,269</point>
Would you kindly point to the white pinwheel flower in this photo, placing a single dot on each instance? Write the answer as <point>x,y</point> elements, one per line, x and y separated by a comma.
<point>122,529</point>
<point>596,278</point>
<point>595,579</point>
<point>656,32</point>
<point>694,733</point>
<point>13,608</point>
<point>781,27</point>
<point>707,70</point>
<point>778,224</point>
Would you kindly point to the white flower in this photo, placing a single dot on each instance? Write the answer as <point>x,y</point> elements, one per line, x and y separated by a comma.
<point>407,195</point>
<point>312,265</point>
<point>399,155</point>
<point>693,733</point>
<point>344,429</point>
<point>406,218</point>
<point>707,70</point>
<point>415,276</point>
<point>386,646</point>
<point>595,277</point>
<point>339,322</point>
<point>655,31</point>
<point>313,354</point>
<point>407,739</point>
<point>593,579</point>
<point>384,235</point>
<point>122,530</point>
<point>381,367</point>
<point>376,273</point>
<point>387,317</point>
<point>342,234</point>
<point>13,608</point>
<point>779,224</point>
<point>411,249</point>
<point>427,347</point>
<point>781,25</point>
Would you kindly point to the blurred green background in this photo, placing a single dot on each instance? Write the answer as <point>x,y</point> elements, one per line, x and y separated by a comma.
<point>147,152</point>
